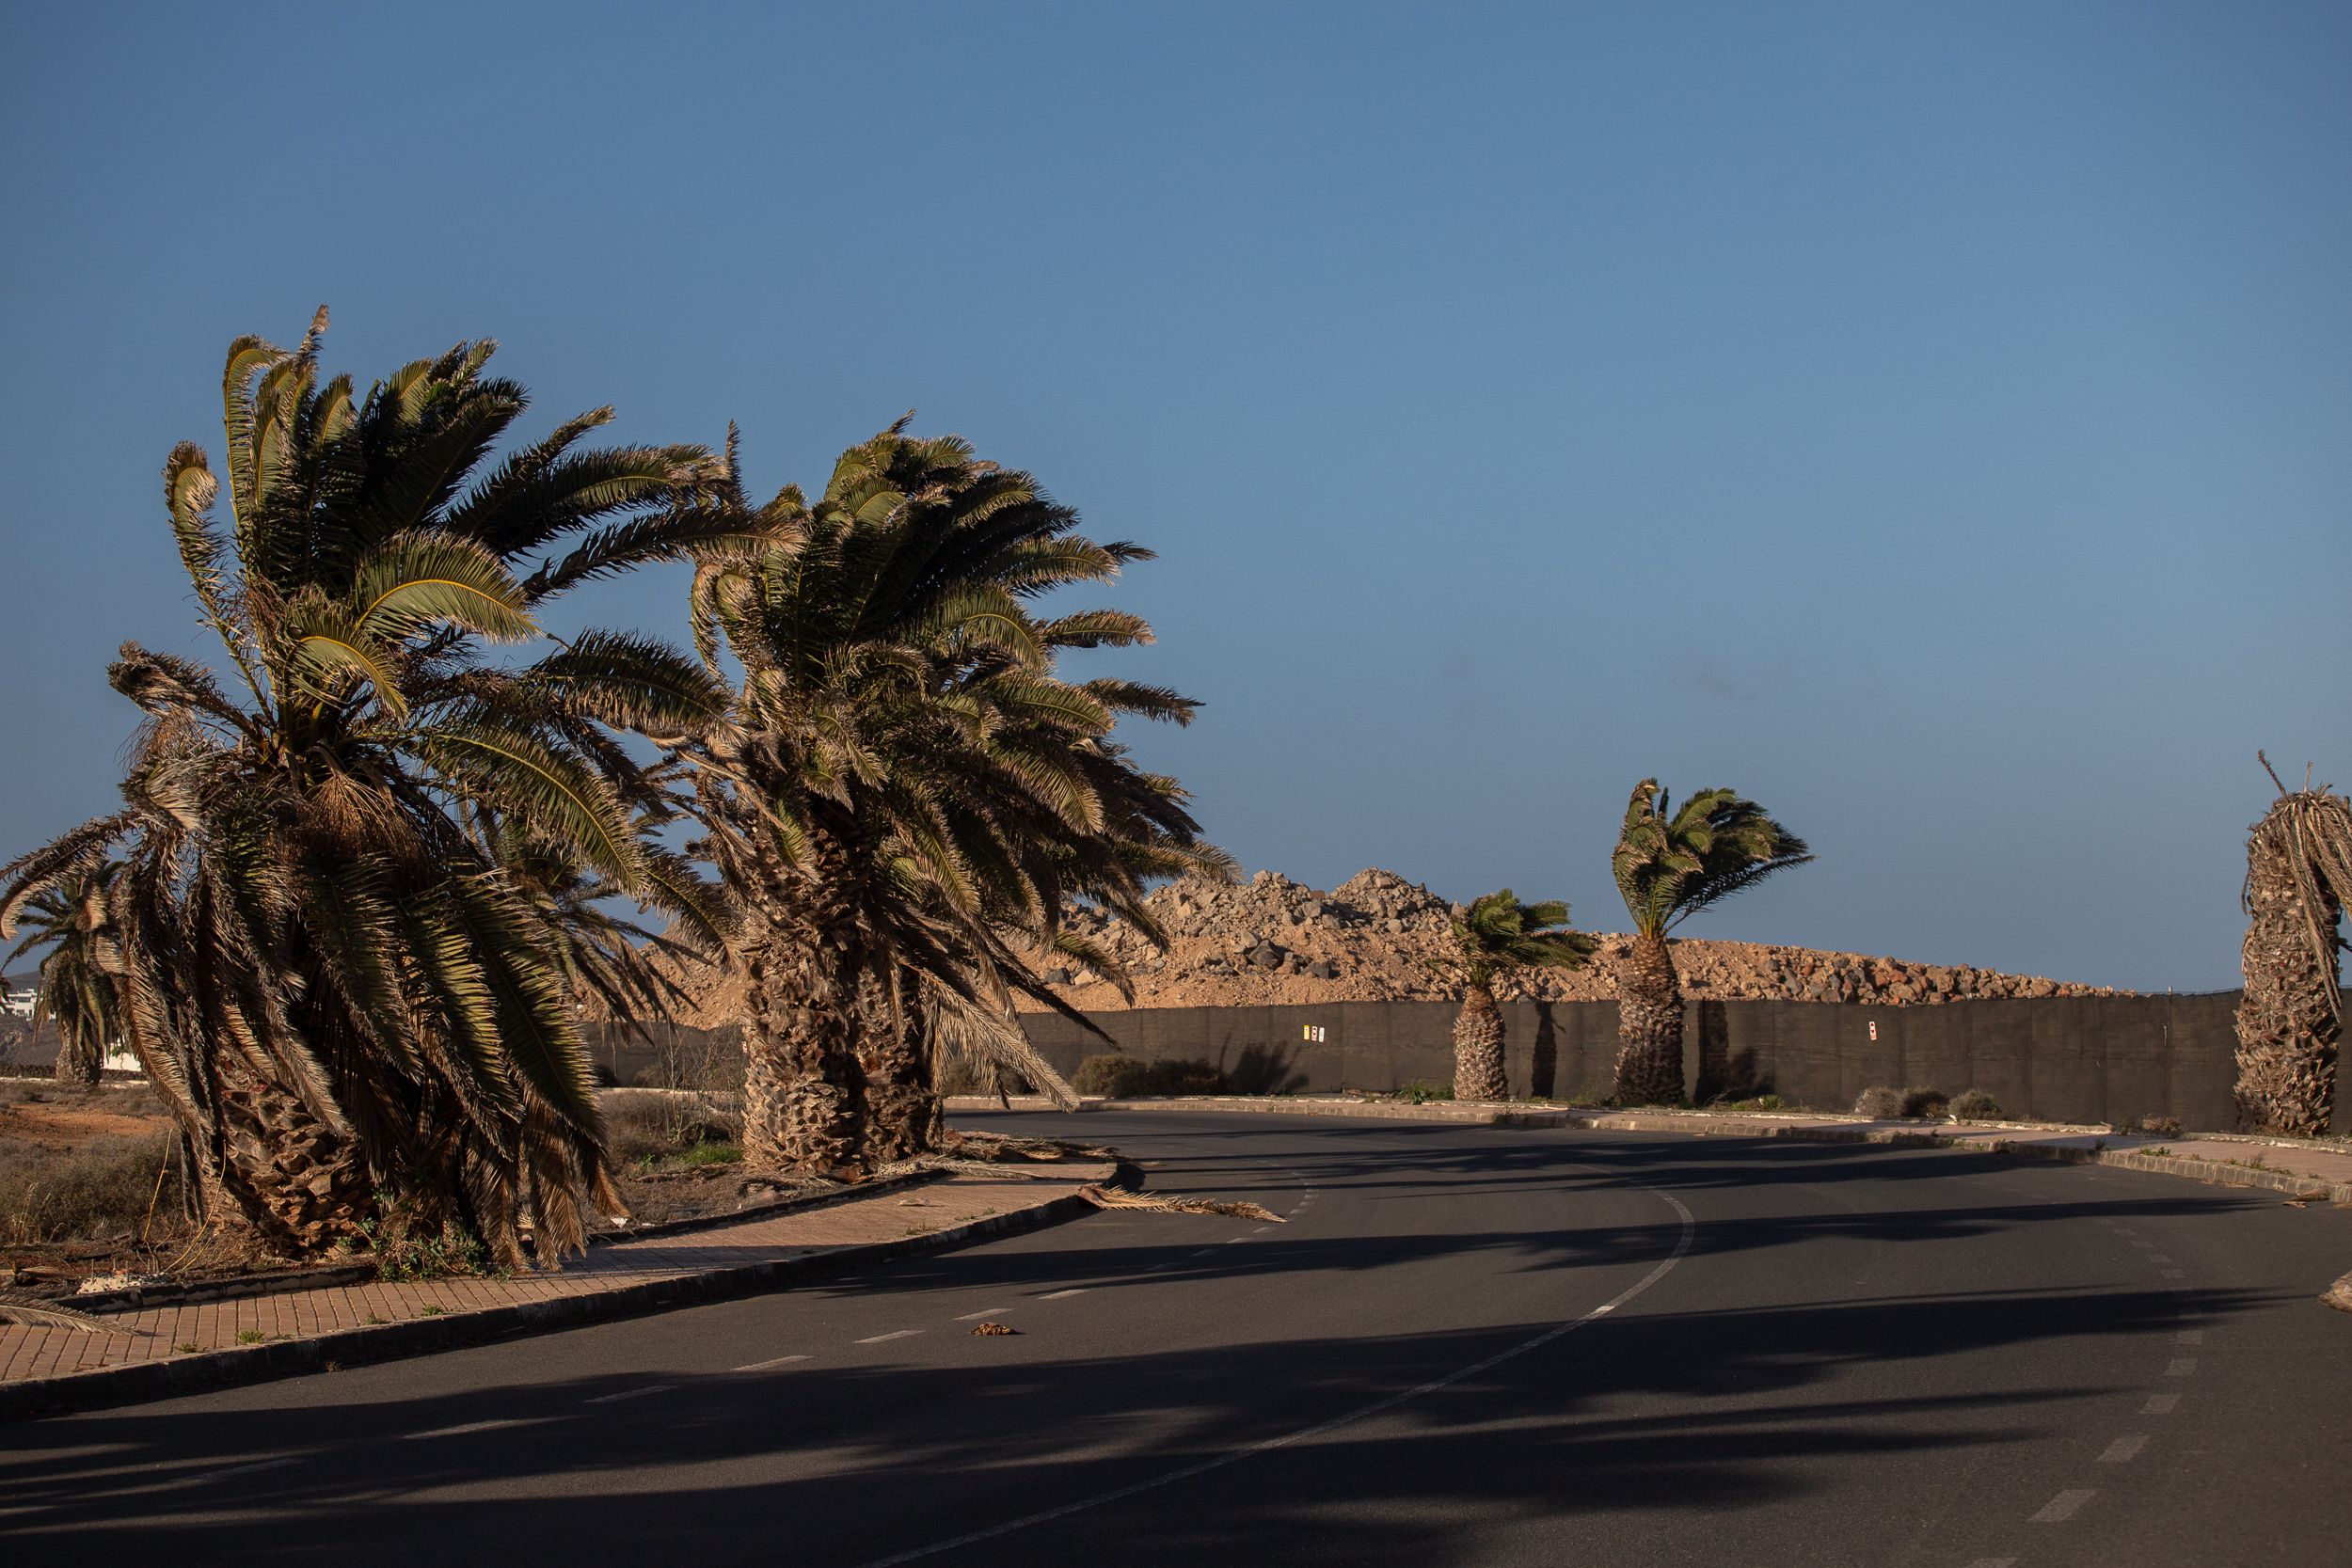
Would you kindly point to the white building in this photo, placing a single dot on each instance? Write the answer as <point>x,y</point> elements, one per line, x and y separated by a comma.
<point>20,1002</point>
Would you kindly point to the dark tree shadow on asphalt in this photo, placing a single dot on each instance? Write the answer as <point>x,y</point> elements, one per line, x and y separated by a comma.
<point>1676,1404</point>
<point>846,1464</point>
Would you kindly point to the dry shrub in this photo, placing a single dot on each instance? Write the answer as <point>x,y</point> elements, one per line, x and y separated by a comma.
<point>1976,1105</point>
<point>1126,1077</point>
<point>1921,1101</point>
<point>2168,1126</point>
<point>98,1191</point>
<point>1879,1102</point>
<point>640,1125</point>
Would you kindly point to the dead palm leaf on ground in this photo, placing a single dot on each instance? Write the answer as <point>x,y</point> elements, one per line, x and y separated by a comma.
<point>1165,1203</point>
<point>35,1312</point>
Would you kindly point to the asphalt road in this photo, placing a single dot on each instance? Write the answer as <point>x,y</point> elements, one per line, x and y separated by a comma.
<point>1467,1345</point>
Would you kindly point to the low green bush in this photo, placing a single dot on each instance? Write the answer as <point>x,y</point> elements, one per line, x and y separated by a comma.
<point>1921,1101</point>
<point>1129,1077</point>
<point>1976,1105</point>
<point>1879,1102</point>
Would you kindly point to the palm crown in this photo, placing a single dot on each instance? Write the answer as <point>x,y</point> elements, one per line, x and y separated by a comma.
<point>311,910</point>
<point>1498,932</point>
<point>1670,864</point>
<point>899,724</point>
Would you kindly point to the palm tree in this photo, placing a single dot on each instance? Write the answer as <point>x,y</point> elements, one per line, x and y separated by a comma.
<point>340,986</point>
<point>1495,933</point>
<point>907,794</point>
<point>1669,865</point>
<point>77,993</point>
<point>2290,1020</point>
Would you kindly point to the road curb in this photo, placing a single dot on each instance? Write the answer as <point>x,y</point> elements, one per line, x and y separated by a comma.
<point>229,1368</point>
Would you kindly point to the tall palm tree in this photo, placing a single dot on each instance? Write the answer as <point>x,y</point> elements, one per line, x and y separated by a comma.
<point>2290,1020</point>
<point>1496,933</point>
<point>1669,865</point>
<point>907,794</point>
<point>339,986</point>
<point>77,994</point>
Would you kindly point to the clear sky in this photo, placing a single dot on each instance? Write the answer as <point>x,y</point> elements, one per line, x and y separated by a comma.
<point>1935,423</point>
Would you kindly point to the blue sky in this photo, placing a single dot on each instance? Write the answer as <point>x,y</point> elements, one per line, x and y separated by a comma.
<point>1933,422</point>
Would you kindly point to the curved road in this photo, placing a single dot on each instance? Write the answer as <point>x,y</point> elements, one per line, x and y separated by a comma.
<point>1467,1345</point>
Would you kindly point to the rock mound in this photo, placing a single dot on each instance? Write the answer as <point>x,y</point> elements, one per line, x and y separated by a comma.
<point>1380,937</point>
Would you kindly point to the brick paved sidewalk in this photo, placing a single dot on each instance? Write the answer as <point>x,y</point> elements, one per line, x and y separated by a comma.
<point>349,1317</point>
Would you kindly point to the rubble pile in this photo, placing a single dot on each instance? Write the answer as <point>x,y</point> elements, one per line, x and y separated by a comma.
<point>1380,937</point>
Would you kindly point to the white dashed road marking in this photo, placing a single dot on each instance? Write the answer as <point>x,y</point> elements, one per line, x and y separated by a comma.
<point>2161,1405</point>
<point>631,1393</point>
<point>2062,1507</point>
<point>2181,1366</point>
<point>1379,1406</point>
<point>774,1361</point>
<point>2192,1337</point>
<point>254,1468</point>
<point>467,1428</point>
<point>883,1339</point>
<point>1057,1295</point>
<point>983,1312</point>
<point>2123,1450</point>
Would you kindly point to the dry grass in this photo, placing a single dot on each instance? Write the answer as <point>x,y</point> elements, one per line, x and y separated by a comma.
<point>103,1190</point>
<point>644,1128</point>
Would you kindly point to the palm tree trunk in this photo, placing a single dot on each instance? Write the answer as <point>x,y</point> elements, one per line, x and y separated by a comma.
<point>2287,1026</point>
<point>294,1182</point>
<point>1650,1026</point>
<point>1478,1047</point>
<point>905,1115</point>
<point>803,1089</point>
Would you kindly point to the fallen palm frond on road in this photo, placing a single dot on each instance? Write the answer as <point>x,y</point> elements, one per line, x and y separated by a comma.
<point>1117,1197</point>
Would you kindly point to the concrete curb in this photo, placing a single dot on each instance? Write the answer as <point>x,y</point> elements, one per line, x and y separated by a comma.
<point>229,1368</point>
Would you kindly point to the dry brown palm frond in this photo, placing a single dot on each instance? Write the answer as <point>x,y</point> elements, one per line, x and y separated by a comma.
<point>1002,1146</point>
<point>2308,834</point>
<point>1162,1203</point>
<point>2290,1018</point>
<point>35,1312</point>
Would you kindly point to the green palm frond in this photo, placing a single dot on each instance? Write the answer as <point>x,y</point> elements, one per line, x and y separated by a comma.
<point>1670,864</point>
<point>1498,932</point>
<point>413,582</point>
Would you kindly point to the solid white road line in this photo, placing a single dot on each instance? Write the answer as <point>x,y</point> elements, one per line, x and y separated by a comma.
<point>2161,1405</point>
<point>463,1431</point>
<point>882,1338</point>
<point>2123,1450</point>
<point>631,1393</point>
<point>2062,1507</point>
<point>777,1361</point>
<point>1380,1406</point>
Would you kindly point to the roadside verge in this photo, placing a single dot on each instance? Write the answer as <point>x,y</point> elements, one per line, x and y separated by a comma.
<point>2309,1172</point>
<point>188,1346</point>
